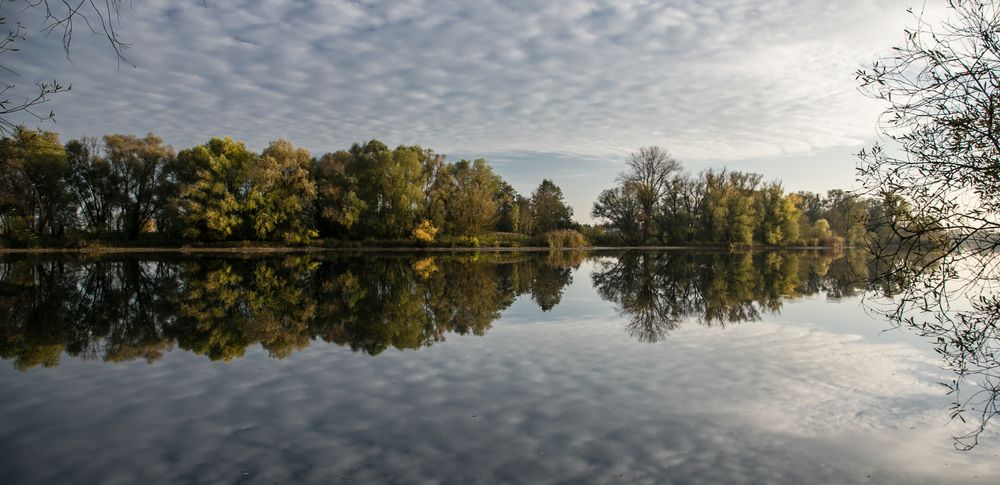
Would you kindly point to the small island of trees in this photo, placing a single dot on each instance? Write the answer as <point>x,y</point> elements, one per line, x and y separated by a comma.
<point>130,190</point>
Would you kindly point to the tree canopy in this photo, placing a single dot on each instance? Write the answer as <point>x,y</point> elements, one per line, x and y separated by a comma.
<point>128,187</point>
<point>654,202</point>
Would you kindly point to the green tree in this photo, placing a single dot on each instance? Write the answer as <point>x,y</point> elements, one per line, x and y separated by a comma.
<point>777,216</point>
<point>621,208</point>
<point>549,208</point>
<point>214,187</point>
<point>281,194</point>
<point>390,184</point>
<point>811,205</point>
<point>678,212</point>
<point>338,207</point>
<point>140,169</point>
<point>34,195</point>
<point>473,206</point>
<point>439,186</point>
<point>507,212</point>
<point>729,214</point>
<point>649,172</point>
<point>522,215</point>
<point>846,213</point>
<point>821,230</point>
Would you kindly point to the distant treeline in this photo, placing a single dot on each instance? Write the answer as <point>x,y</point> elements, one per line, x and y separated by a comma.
<point>654,202</point>
<point>125,186</point>
<point>129,188</point>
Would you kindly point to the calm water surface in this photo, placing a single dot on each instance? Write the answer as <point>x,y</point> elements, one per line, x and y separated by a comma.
<point>642,367</point>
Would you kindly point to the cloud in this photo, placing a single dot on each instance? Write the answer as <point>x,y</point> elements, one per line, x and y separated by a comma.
<point>721,80</point>
<point>578,401</point>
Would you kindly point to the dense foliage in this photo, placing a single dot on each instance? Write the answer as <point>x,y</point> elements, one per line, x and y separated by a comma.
<point>654,202</point>
<point>124,187</point>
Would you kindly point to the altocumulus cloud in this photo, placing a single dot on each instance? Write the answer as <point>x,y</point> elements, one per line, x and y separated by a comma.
<point>717,80</point>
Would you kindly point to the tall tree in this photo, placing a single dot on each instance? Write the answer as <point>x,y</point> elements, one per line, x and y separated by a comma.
<point>620,206</point>
<point>777,216</point>
<point>140,168</point>
<point>281,194</point>
<point>473,206</point>
<point>34,196</point>
<point>549,208</point>
<point>729,214</point>
<point>390,183</point>
<point>676,217</point>
<point>338,207</point>
<point>507,212</point>
<point>522,215</point>
<point>215,185</point>
<point>93,184</point>
<point>439,186</point>
<point>846,214</point>
<point>649,171</point>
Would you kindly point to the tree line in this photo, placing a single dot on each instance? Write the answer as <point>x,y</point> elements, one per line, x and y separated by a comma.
<point>124,186</point>
<point>655,202</point>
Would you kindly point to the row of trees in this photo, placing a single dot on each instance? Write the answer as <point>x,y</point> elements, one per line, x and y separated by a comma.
<point>124,185</point>
<point>655,202</point>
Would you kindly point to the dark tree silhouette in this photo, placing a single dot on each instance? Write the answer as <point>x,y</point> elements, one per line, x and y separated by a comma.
<point>940,176</point>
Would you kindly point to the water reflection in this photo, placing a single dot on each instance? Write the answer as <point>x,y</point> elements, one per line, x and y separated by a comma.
<point>821,395</point>
<point>656,291</point>
<point>120,308</point>
<point>950,300</point>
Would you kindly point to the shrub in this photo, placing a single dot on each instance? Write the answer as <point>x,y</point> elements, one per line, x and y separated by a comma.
<point>564,238</point>
<point>424,232</point>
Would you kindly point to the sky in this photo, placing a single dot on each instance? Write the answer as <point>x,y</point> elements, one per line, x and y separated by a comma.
<point>561,90</point>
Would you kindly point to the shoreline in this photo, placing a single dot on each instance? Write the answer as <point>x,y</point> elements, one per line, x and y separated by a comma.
<point>381,249</point>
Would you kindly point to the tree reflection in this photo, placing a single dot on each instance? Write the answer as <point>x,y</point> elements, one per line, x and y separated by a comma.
<point>952,301</point>
<point>36,323</point>
<point>119,308</point>
<point>123,308</point>
<point>128,302</point>
<point>225,306</point>
<point>374,304</point>
<point>657,291</point>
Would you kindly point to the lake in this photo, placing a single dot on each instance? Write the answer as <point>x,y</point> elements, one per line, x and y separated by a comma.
<point>607,367</point>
